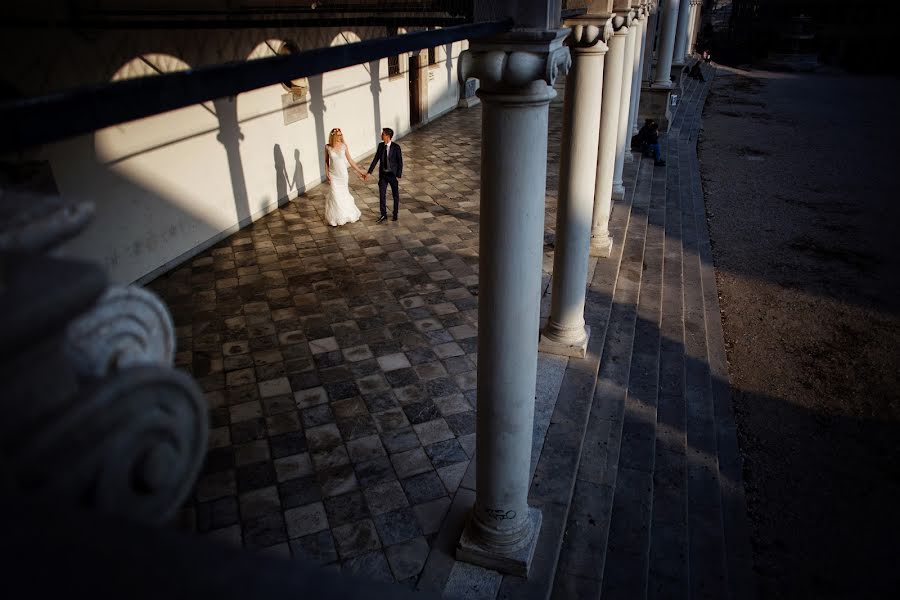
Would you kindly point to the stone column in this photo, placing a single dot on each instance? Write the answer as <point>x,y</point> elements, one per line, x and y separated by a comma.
<point>565,332</point>
<point>516,71</point>
<point>651,35</point>
<point>614,65</point>
<point>669,16</point>
<point>681,34</point>
<point>695,26</point>
<point>640,24</point>
<point>690,28</point>
<point>623,150</point>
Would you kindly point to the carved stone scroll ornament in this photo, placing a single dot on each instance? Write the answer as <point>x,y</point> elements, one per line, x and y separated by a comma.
<point>509,69</point>
<point>32,222</point>
<point>128,326</point>
<point>131,444</point>
<point>590,35</point>
<point>94,414</point>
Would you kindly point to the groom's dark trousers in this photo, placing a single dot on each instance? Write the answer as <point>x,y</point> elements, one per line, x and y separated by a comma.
<point>385,179</point>
<point>391,169</point>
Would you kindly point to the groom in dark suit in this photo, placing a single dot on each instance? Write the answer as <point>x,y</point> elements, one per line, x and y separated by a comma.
<point>391,159</point>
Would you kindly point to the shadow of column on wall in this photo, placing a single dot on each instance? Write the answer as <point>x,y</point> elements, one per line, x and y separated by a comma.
<point>230,137</point>
<point>375,87</point>
<point>281,176</point>
<point>317,107</point>
<point>448,48</point>
<point>297,181</point>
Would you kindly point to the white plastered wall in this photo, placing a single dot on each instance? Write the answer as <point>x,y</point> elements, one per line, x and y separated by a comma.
<point>168,186</point>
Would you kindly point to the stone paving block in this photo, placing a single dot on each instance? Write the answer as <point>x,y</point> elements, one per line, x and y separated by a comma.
<point>306,520</point>
<point>365,448</point>
<point>397,526</point>
<point>245,411</point>
<point>287,444</point>
<point>400,440</point>
<point>310,397</point>
<point>299,491</point>
<point>317,547</point>
<point>433,431</point>
<point>329,458</point>
<point>411,462</point>
<point>446,453</point>
<point>346,508</point>
<point>284,422</point>
<point>380,401</point>
<point>385,497</point>
<point>390,420</point>
<point>472,582</point>
<point>421,412</point>
<point>264,531</point>
<point>323,437</point>
<point>316,415</point>
<point>255,476</point>
<point>372,565</point>
<point>357,538</point>
<point>337,480</point>
<point>231,536</point>
<point>423,488</point>
<point>216,514</point>
<point>259,502</point>
<point>430,515</point>
<point>407,558</point>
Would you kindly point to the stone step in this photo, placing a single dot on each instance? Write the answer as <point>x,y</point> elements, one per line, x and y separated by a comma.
<point>627,557</point>
<point>583,553</point>
<point>735,531</point>
<point>658,507</point>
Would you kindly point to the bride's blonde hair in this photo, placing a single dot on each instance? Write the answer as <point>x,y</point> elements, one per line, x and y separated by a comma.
<point>333,134</point>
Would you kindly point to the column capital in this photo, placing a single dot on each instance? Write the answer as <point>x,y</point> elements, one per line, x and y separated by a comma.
<point>621,22</point>
<point>590,34</point>
<point>516,59</point>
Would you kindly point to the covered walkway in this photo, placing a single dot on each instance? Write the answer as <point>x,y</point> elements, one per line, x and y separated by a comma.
<point>340,369</point>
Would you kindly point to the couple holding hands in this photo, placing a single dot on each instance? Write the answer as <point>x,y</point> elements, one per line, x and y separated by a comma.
<point>340,208</point>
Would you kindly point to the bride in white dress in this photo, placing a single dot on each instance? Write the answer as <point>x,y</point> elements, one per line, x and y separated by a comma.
<point>340,207</point>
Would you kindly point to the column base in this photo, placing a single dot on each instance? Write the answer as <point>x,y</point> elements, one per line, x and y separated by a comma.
<point>655,105</point>
<point>601,246</point>
<point>576,347</point>
<point>468,102</point>
<point>618,190</point>
<point>515,560</point>
<point>629,157</point>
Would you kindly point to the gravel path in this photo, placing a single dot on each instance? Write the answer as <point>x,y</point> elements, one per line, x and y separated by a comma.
<point>799,178</point>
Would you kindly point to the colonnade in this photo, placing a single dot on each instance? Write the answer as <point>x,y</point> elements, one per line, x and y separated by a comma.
<point>604,52</point>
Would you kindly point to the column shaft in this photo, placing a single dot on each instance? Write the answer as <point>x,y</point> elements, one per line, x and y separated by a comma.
<point>681,33</point>
<point>651,36</point>
<point>692,24</point>
<point>614,64</point>
<point>666,46</point>
<point>514,70</point>
<point>565,332</point>
<point>639,41</point>
<point>623,149</point>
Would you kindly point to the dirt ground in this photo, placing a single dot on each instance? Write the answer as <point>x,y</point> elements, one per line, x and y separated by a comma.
<point>800,173</point>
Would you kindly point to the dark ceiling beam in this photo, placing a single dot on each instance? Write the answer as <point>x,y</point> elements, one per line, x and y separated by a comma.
<point>356,20</point>
<point>54,117</point>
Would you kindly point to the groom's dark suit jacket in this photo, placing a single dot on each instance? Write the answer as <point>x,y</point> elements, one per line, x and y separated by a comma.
<point>392,163</point>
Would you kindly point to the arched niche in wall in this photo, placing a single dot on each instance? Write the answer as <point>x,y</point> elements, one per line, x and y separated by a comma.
<point>295,96</point>
<point>298,87</point>
<point>128,140</point>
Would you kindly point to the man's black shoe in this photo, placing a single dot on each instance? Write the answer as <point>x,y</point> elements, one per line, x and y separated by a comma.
<point>394,218</point>
<point>381,219</point>
<point>660,163</point>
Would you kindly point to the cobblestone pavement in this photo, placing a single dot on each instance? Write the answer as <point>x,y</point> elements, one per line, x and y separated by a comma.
<point>340,364</point>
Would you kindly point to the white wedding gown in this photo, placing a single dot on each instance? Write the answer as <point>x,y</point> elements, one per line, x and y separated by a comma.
<point>340,207</point>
